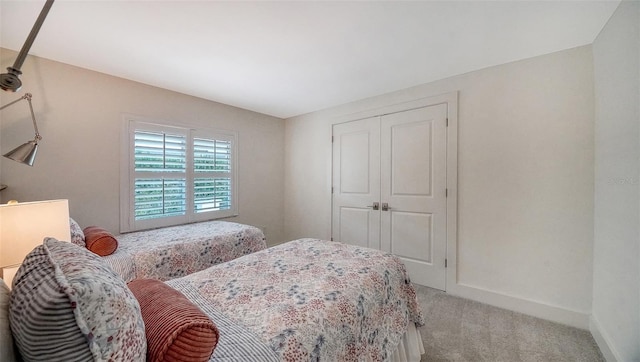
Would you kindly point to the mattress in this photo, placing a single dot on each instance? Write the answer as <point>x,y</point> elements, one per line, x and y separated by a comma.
<point>176,251</point>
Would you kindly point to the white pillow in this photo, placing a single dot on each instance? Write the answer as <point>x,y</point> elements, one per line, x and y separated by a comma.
<point>6,341</point>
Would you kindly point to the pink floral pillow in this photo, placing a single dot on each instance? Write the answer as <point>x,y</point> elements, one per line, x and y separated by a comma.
<point>77,236</point>
<point>67,304</point>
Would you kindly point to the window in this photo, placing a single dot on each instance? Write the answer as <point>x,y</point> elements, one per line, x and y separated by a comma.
<point>176,175</point>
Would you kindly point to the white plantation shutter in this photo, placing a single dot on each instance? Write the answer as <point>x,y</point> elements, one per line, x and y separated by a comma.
<point>160,162</point>
<point>212,194</point>
<point>159,197</point>
<point>155,151</point>
<point>211,155</point>
<point>179,175</point>
<point>212,161</point>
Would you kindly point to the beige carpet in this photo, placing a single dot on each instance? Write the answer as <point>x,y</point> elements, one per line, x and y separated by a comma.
<point>458,329</point>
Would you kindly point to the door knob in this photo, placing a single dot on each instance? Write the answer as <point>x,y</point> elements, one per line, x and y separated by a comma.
<point>375,206</point>
<point>385,207</point>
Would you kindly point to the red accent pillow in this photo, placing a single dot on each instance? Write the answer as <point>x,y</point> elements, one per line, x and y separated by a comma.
<point>176,329</point>
<point>99,240</point>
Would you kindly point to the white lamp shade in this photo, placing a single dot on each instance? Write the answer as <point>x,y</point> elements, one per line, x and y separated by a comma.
<point>8,274</point>
<point>23,226</point>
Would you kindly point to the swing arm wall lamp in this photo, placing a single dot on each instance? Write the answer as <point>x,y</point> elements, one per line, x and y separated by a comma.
<point>25,153</point>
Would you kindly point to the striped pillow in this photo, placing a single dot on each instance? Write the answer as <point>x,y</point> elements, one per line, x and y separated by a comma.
<point>6,341</point>
<point>68,305</point>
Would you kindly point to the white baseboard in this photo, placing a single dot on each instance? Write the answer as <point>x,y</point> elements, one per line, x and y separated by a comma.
<point>602,340</point>
<point>520,305</point>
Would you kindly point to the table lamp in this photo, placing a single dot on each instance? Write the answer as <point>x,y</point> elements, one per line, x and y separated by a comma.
<point>23,226</point>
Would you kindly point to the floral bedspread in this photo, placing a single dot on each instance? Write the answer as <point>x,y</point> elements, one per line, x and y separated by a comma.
<point>177,251</point>
<point>308,299</point>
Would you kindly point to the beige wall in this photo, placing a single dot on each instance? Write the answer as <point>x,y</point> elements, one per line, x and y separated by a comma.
<point>526,148</point>
<point>616,277</point>
<point>79,114</point>
<point>525,181</point>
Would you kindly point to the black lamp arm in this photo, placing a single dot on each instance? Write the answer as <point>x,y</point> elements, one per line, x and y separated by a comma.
<point>32,36</point>
<point>10,81</point>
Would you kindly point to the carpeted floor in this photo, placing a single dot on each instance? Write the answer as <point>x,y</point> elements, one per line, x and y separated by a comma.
<point>458,329</point>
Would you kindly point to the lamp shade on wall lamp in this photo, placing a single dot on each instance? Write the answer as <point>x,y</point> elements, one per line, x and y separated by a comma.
<point>25,153</point>
<point>23,226</point>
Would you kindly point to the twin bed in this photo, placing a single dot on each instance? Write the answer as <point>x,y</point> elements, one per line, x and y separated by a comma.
<point>303,300</point>
<point>176,251</point>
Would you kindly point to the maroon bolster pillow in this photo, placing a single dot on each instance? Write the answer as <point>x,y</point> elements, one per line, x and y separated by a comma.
<point>99,240</point>
<point>176,329</point>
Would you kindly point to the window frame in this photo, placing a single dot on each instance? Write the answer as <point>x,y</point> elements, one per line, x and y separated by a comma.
<point>128,173</point>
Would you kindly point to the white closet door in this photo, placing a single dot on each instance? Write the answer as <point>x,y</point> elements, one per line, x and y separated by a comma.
<point>413,185</point>
<point>398,160</point>
<point>356,182</point>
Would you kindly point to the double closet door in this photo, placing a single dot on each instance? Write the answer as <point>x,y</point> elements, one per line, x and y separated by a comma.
<point>389,188</point>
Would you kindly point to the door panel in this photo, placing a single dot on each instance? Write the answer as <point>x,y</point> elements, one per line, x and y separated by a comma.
<point>413,184</point>
<point>415,230</point>
<point>411,148</point>
<point>355,175</point>
<point>354,226</point>
<point>356,182</point>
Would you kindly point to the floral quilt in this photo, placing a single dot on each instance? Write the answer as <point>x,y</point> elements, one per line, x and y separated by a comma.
<point>307,299</point>
<point>177,251</point>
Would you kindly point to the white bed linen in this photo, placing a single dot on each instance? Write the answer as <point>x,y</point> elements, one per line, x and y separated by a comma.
<point>411,347</point>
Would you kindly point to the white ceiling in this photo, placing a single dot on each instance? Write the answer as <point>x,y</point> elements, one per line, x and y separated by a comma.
<point>291,58</point>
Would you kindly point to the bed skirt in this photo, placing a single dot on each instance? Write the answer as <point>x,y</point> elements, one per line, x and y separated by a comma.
<point>410,348</point>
